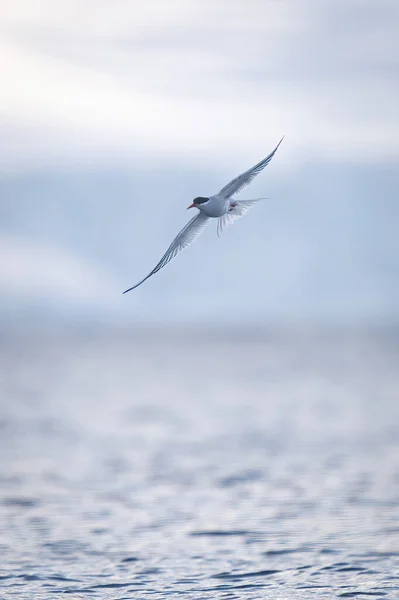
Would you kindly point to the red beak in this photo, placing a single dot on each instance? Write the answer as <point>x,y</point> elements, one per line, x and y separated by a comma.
<point>191,206</point>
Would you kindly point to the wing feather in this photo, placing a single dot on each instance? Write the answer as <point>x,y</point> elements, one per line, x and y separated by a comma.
<point>237,184</point>
<point>240,208</point>
<point>187,236</point>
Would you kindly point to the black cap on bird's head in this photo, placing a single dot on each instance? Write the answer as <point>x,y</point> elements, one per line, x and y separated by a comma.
<point>197,201</point>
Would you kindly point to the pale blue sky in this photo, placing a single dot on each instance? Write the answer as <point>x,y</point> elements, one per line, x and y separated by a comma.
<point>115,115</point>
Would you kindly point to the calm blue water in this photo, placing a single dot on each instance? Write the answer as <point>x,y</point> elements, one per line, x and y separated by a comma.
<point>202,465</point>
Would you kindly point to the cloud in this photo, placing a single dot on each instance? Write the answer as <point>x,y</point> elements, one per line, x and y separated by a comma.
<point>125,111</point>
<point>92,83</point>
<point>34,270</point>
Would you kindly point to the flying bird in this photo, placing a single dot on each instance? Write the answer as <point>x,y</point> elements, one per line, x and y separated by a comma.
<point>221,206</point>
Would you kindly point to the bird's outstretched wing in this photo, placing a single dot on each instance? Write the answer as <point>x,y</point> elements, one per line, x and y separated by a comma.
<point>187,236</point>
<point>237,184</point>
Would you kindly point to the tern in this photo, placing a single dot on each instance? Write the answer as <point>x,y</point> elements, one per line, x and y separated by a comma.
<point>221,206</point>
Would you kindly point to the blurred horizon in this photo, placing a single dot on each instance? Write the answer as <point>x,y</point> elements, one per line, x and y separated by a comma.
<point>230,428</point>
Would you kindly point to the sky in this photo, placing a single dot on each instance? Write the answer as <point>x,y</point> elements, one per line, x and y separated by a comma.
<point>114,116</point>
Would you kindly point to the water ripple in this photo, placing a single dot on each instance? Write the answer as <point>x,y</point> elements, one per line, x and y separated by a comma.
<point>124,474</point>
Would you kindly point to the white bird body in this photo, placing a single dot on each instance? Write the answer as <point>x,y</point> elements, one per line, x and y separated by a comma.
<point>221,206</point>
<point>216,206</point>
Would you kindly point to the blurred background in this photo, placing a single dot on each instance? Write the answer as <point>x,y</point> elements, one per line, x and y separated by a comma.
<point>114,117</point>
<point>231,425</point>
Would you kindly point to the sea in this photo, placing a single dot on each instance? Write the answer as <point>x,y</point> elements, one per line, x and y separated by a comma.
<point>199,462</point>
